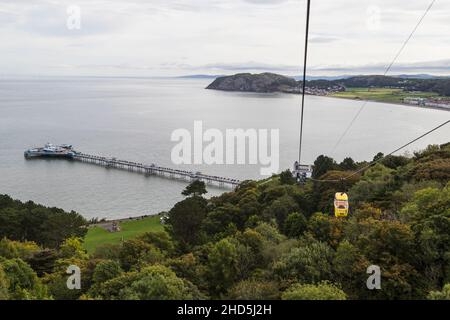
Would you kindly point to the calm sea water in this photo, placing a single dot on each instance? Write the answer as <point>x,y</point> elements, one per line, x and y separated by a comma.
<point>133,119</point>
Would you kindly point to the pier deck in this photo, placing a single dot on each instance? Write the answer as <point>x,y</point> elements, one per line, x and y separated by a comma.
<point>155,170</point>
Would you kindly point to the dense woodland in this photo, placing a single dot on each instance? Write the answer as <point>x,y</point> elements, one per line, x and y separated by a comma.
<point>271,239</point>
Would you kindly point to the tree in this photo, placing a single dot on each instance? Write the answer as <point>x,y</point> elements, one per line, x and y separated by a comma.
<point>440,295</point>
<point>72,248</point>
<point>4,285</point>
<point>321,291</point>
<point>185,220</point>
<point>375,186</point>
<point>309,263</point>
<point>326,228</point>
<point>48,227</point>
<point>222,266</point>
<point>394,162</point>
<point>152,283</point>
<point>295,225</point>
<point>219,220</point>
<point>160,239</point>
<point>43,261</point>
<point>254,290</point>
<point>429,217</point>
<point>322,165</point>
<point>249,246</point>
<point>347,164</point>
<point>23,283</point>
<point>195,188</point>
<point>280,209</point>
<point>136,253</point>
<point>106,270</point>
<point>378,156</point>
<point>349,268</point>
<point>286,177</point>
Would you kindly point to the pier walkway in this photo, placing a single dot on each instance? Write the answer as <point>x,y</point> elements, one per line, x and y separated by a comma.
<point>155,170</point>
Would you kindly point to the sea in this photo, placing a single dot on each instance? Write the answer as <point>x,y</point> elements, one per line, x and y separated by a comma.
<point>134,119</point>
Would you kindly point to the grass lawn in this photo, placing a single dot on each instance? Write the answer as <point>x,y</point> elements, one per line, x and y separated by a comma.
<point>129,229</point>
<point>381,94</point>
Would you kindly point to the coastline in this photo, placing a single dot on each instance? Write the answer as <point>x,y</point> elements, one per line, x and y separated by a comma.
<point>336,97</point>
<point>386,102</point>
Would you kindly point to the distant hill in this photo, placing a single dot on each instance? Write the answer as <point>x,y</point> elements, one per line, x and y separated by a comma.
<point>271,82</point>
<point>346,76</point>
<point>263,82</point>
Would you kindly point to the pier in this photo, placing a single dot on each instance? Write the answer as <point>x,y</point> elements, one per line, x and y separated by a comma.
<point>153,169</point>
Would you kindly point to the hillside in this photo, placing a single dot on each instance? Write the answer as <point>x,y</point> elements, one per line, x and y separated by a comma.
<point>265,240</point>
<point>264,82</point>
<point>270,82</point>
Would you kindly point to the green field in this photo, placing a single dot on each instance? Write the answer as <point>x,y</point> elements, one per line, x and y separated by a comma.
<point>97,236</point>
<point>381,94</point>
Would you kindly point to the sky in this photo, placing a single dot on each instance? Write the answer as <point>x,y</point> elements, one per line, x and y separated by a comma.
<point>182,37</point>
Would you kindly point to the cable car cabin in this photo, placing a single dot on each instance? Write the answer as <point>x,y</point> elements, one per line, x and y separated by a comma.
<point>340,204</point>
<point>302,172</point>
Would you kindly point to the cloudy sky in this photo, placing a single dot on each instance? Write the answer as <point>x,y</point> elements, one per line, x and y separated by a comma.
<point>179,37</point>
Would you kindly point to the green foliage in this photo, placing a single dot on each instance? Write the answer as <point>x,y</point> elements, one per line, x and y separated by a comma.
<point>430,164</point>
<point>220,219</point>
<point>4,285</point>
<point>185,220</point>
<point>45,226</point>
<point>72,248</point>
<point>23,283</point>
<point>43,261</point>
<point>195,188</point>
<point>322,165</point>
<point>264,240</point>
<point>295,225</point>
<point>309,263</point>
<point>159,239</point>
<point>106,270</point>
<point>320,291</point>
<point>136,253</point>
<point>429,215</point>
<point>222,266</point>
<point>152,283</point>
<point>440,295</point>
<point>349,267</point>
<point>280,209</point>
<point>286,177</point>
<point>326,228</point>
<point>254,290</point>
<point>374,186</point>
<point>347,164</point>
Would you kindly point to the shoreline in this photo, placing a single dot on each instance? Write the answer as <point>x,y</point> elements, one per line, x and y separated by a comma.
<point>387,102</point>
<point>335,97</point>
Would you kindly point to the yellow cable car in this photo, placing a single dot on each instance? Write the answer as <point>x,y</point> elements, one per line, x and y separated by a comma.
<point>340,204</point>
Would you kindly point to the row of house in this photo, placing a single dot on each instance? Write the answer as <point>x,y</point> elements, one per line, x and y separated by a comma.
<point>427,102</point>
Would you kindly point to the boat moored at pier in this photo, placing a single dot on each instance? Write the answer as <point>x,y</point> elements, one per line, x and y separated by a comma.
<point>51,151</point>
